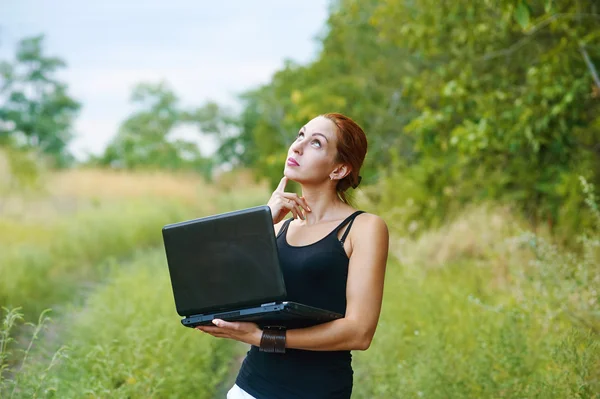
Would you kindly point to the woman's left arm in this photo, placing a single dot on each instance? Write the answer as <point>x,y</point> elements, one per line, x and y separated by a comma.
<point>369,239</point>
<point>364,294</point>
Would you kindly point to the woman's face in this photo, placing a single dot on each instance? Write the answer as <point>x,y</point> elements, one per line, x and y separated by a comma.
<point>311,157</point>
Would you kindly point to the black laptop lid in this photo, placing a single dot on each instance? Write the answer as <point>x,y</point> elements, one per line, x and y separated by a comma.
<point>223,261</point>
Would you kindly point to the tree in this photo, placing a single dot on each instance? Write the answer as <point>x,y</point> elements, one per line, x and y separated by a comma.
<point>36,111</point>
<point>461,101</point>
<point>508,107</point>
<point>217,121</point>
<point>356,73</point>
<point>143,139</point>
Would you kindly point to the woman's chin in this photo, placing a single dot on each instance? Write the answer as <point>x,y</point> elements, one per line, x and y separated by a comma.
<point>292,177</point>
<point>289,173</point>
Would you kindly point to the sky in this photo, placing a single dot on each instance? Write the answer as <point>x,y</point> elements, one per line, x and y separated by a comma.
<point>206,50</point>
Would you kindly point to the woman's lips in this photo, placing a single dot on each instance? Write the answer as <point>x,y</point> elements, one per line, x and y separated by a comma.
<point>292,162</point>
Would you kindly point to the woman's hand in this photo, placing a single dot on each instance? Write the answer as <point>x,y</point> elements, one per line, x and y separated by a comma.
<point>242,331</point>
<point>281,203</point>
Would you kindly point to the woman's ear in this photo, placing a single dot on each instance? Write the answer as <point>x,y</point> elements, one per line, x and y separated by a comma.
<point>340,172</point>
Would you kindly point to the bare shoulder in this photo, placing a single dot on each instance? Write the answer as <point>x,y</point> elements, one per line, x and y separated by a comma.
<point>369,232</point>
<point>370,240</point>
<point>367,224</point>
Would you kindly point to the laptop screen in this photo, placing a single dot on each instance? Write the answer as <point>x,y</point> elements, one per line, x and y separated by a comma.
<point>224,261</point>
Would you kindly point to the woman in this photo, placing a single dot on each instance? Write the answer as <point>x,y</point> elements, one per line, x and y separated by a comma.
<point>332,257</point>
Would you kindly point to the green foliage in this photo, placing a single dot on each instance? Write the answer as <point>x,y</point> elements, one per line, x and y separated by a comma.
<point>144,141</point>
<point>504,99</point>
<point>470,101</point>
<point>36,112</point>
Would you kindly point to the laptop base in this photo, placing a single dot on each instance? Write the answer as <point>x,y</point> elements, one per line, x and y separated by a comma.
<point>283,314</point>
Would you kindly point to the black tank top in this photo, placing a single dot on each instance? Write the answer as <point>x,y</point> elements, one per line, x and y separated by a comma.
<point>314,275</point>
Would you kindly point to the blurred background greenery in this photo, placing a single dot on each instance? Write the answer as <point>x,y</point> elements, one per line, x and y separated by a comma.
<point>483,120</point>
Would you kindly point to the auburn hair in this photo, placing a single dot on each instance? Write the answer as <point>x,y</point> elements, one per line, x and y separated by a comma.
<point>351,150</point>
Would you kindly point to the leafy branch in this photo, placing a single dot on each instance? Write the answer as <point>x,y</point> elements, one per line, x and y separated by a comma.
<point>530,34</point>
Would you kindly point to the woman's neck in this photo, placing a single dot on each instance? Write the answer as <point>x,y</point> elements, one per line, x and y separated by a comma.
<point>324,203</point>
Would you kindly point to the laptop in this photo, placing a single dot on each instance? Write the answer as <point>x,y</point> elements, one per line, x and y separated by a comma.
<point>226,266</point>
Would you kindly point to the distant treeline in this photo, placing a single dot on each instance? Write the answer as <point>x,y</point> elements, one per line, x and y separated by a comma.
<point>462,102</point>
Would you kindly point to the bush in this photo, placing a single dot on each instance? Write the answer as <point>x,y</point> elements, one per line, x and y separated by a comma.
<point>472,313</point>
<point>563,283</point>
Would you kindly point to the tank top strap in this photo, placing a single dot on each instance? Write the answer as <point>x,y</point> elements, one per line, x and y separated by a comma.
<point>285,226</point>
<point>349,219</point>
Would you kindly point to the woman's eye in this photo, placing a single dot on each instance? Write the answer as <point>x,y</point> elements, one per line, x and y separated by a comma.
<point>316,143</point>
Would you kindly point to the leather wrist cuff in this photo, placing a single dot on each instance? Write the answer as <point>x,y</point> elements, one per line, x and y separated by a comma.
<point>273,340</point>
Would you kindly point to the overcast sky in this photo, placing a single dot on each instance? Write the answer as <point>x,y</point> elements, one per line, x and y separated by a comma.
<point>204,49</point>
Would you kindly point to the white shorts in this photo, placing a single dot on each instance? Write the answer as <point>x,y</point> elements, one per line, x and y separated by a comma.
<point>238,393</point>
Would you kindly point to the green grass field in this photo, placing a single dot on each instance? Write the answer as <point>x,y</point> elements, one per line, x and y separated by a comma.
<point>469,311</point>
<point>445,334</point>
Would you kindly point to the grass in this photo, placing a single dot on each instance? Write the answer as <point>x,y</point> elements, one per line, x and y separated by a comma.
<point>51,254</point>
<point>447,333</point>
<point>127,341</point>
<point>47,270</point>
<point>476,308</point>
<point>481,309</point>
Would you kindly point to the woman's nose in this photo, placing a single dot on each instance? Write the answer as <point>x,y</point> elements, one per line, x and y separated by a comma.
<point>297,146</point>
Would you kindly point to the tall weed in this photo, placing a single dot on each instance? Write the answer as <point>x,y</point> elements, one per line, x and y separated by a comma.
<point>18,377</point>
